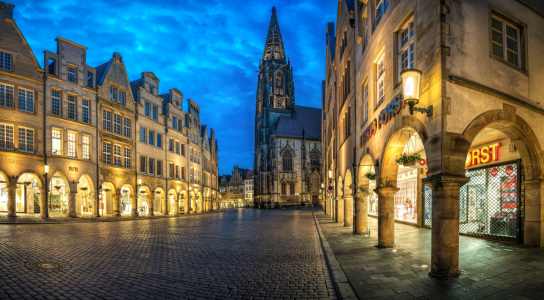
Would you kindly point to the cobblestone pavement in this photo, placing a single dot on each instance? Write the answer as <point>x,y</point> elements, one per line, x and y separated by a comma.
<point>248,254</point>
<point>489,269</point>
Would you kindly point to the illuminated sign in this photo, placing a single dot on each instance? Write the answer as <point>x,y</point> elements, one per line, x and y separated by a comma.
<point>118,176</point>
<point>386,115</point>
<point>73,169</point>
<point>483,155</point>
<point>12,161</point>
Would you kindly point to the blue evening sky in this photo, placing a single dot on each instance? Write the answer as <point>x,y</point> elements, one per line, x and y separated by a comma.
<point>208,49</point>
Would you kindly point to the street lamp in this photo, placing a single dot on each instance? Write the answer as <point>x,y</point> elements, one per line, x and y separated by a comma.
<point>46,204</point>
<point>411,79</point>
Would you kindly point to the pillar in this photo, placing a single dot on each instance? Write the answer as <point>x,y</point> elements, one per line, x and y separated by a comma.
<point>72,205</point>
<point>348,210</point>
<point>187,209</point>
<point>361,213</point>
<point>533,225</point>
<point>164,202</point>
<point>134,203</point>
<point>386,216</point>
<point>340,209</point>
<point>445,228</point>
<point>150,204</point>
<point>12,208</point>
<point>176,206</point>
<point>44,212</point>
<point>116,205</point>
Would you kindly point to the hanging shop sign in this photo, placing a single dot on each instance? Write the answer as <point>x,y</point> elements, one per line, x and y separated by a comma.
<point>387,114</point>
<point>483,155</point>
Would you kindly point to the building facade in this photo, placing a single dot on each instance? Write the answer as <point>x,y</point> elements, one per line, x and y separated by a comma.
<point>468,157</point>
<point>78,140</point>
<point>232,188</point>
<point>248,189</point>
<point>287,136</point>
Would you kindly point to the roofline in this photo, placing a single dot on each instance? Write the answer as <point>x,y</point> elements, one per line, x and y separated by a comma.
<point>68,41</point>
<point>194,103</point>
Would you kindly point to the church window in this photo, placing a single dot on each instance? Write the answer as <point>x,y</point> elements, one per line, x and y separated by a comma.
<point>288,161</point>
<point>314,158</point>
<point>292,188</point>
<point>284,188</point>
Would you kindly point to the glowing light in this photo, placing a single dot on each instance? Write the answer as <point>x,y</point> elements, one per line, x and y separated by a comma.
<point>46,169</point>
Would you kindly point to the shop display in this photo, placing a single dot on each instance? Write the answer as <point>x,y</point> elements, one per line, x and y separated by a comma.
<point>372,199</point>
<point>406,197</point>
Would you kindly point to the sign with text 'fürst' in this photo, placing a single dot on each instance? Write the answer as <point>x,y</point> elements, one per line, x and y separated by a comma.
<point>483,155</point>
<point>386,115</point>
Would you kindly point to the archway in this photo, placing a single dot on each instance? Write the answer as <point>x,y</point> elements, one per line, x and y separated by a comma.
<point>107,196</point>
<point>86,195</point>
<point>27,194</point>
<point>158,200</point>
<point>182,199</point>
<point>348,199</point>
<point>144,200</point>
<point>199,203</point>
<point>192,202</point>
<point>127,194</point>
<point>59,193</point>
<point>365,198</point>
<point>173,204</point>
<point>4,184</point>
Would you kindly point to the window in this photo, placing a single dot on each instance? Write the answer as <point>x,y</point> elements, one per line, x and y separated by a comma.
<point>365,29</point>
<point>151,138</point>
<point>183,173</point>
<point>292,188</point>
<point>90,79</point>
<point>381,8</point>
<point>191,156</point>
<point>315,158</point>
<point>179,124</point>
<point>346,82</point>
<point>56,142</point>
<point>154,112</point>
<point>171,170</point>
<point>406,46</point>
<point>86,147</point>
<point>26,100</point>
<point>151,166</point>
<point>143,135</point>
<point>147,113</point>
<point>151,89</point>
<point>177,171</point>
<point>380,81</point>
<point>6,95</point>
<point>71,107</point>
<point>55,102</point>
<point>183,149</point>
<point>122,98</point>
<point>198,156</point>
<point>51,66</point>
<point>26,139</point>
<point>283,188</point>
<point>72,74</point>
<point>5,61</point>
<point>171,145</point>
<point>505,40</point>
<point>106,156</point>
<point>106,122</point>
<point>192,176</point>
<point>85,109</point>
<point>174,120</point>
<point>117,156</point>
<point>159,140</point>
<point>159,167</point>
<point>6,136</point>
<point>127,158</point>
<point>365,102</point>
<point>177,147</point>
<point>287,161</point>
<point>72,142</point>
<point>127,128</point>
<point>142,164</point>
<point>117,124</point>
<point>113,94</point>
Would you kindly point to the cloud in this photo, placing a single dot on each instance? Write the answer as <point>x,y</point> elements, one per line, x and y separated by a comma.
<point>208,49</point>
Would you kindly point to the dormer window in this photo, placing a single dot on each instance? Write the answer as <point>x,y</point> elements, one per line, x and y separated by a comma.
<point>72,71</point>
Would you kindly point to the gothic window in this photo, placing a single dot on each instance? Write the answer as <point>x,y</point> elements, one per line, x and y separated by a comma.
<point>284,188</point>
<point>287,161</point>
<point>314,158</point>
<point>292,188</point>
<point>279,80</point>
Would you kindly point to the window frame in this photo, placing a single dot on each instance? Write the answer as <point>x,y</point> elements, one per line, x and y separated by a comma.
<point>72,105</point>
<point>127,127</point>
<point>86,147</point>
<point>59,98</point>
<point>23,104</point>
<point>143,164</point>
<point>59,138</point>
<point>380,79</point>
<point>143,133</point>
<point>117,155</point>
<point>106,120</point>
<point>3,59</point>
<point>521,39</point>
<point>85,111</point>
<point>29,145</point>
<point>72,144</point>
<point>113,94</point>
<point>106,153</point>
<point>74,75</point>
<point>4,93</point>
<point>127,153</point>
<point>407,48</point>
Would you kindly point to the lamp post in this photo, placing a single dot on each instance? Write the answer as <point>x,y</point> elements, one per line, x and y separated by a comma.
<point>411,79</point>
<point>46,208</point>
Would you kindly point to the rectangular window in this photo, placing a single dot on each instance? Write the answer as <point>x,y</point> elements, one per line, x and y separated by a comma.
<point>106,122</point>
<point>191,175</point>
<point>143,160</point>
<point>506,40</point>
<point>5,61</point>
<point>90,79</point>
<point>72,74</point>
<point>154,112</point>
<point>406,47</point>
<point>127,158</point>
<point>113,94</point>
<point>26,100</point>
<point>365,103</point>
<point>171,145</point>
<point>86,147</point>
<point>151,138</point>
<point>177,147</point>
<point>142,135</point>
<point>365,29</point>
<point>174,120</point>
<point>151,166</point>
<point>179,124</point>
<point>171,170</point>
<point>6,95</point>
<point>55,103</point>
<point>380,81</point>
<point>147,113</point>
<point>117,156</point>
<point>56,142</point>
<point>183,173</point>
<point>159,140</point>
<point>51,66</point>
<point>106,156</point>
<point>26,139</point>
<point>127,128</point>
<point>71,107</point>
<point>122,98</point>
<point>72,142</point>
<point>183,149</point>
<point>85,109</point>
<point>381,8</point>
<point>159,167</point>
<point>117,124</point>
<point>191,154</point>
<point>177,171</point>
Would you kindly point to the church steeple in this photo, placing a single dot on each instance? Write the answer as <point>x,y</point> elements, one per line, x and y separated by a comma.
<point>273,48</point>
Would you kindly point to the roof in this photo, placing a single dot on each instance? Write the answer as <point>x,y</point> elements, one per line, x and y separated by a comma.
<point>101,71</point>
<point>203,130</point>
<point>307,118</point>
<point>165,100</point>
<point>134,87</point>
<point>249,174</point>
<point>165,97</point>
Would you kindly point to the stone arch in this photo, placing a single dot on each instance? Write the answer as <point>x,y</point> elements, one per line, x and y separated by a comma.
<point>347,182</point>
<point>366,165</point>
<point>108,193</point>
<point>89,180</point>
<point>159,197</point>
<point>31,172</point>
<point>2,173</point>
<point>339,187</point>
<point>69,185</point>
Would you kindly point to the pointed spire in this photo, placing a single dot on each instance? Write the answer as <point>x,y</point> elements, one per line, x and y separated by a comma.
<point>273,48</point>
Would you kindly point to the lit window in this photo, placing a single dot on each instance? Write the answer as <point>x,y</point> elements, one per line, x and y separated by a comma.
<point>26,139</point>
<point>106,156</point>
<point>6,136</point>
<point>122,98</point>
<point>127,158</point>
<point>56,137</point>
<point>117,156</point>
<point>127,128</point>
<point>71,107</point>
<point>117,124</point>
<point>106,122</point>
<point>85,109</point>
<point>380,82</point>
<point>72,144</point>
<point>72,77</point>
<point>506,37</point>
<point>113,94</point>
<point>5,61</point>
<point>26,100</point>
<point>55,103</point>
<point>86,147</point>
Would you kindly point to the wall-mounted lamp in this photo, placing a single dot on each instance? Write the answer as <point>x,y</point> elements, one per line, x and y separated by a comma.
<point>330,174</point>
<point>46,169</point>
<point>139,181</point>
<point>411,79</point>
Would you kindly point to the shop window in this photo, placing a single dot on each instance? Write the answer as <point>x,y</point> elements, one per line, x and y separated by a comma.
<point>72,74</point>
<point>26,100</point>
<point>143,164</point>
<point>71,107</point>
<point>106,120</point>
<point>72,142</point>
<point>159,167</point>
<point>85,111</point>
<point>117,124</point>
<point>380,81</point>
<point>122,98</point>
<point>143,135</point>
<point>5,61</point>
<point>151,166</point>
<point>26,139</point>
<point>106,156</point>
<point>56,142</point>
<point>506,40</point>
<point>6,96</point>
<point>113,94</point>
<point>128,127</point>
<point>117,161</point>
<point>86,146</point>
<point>287,161</point>
<point>55,103</point>
<point>127,158</point>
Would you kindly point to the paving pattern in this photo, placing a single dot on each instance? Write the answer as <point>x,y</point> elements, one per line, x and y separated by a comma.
<point>239,254</point>
<point>489,269</point>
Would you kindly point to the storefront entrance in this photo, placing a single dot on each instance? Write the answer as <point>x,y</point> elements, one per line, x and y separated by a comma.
<point>126,204</point>
<point>143,201</point>
<point>58,194</point>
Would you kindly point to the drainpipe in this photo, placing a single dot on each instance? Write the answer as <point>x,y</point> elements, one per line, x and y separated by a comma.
<point>44,143</point>
<point>97,194</point>
<point>353,202</point>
